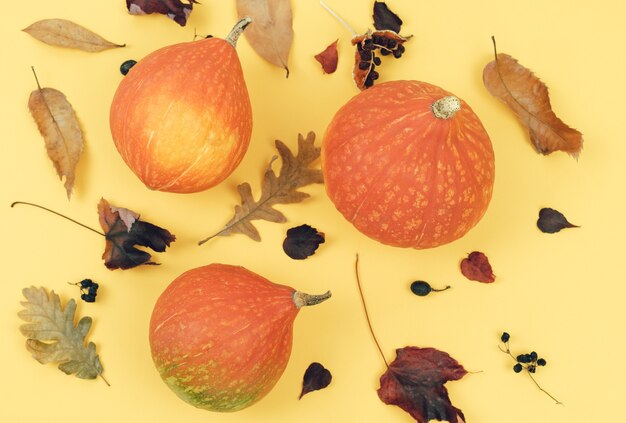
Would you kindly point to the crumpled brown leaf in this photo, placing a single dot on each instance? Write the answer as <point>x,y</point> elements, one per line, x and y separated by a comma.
<point>271,32</point>
<point>64,33</point>
<point>174,9</point>
<point>294,173</point>
<point>329,58</point>
<point>414,381</point>
<point>61,132</point>
<point>123,231</point>
<point>528,98</point>
<point>476,267</point>
<point>53,337</point>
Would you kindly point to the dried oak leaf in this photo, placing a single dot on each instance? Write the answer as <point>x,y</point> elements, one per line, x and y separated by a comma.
<point>123,231</point>
<point>64,33</point>
<point>53,337</point>
<point>294,173</point>
<point>551,221</point>
<point>415,380</point>
<point>329,58</point>
<point>316,377</point>
<point>302,242</point>
<point>174,9</point>
<point>528,98</point>
<point>476,267</point>
<point>61,132</point>
<point>271,32</point>
<point>384,18</point>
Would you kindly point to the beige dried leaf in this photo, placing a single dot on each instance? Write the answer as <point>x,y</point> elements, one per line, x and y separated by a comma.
<point>271,32</point>
<point>59,127</point>
<point>64,33</point>
<point>528,98</point>
<point>295,173</point>
<point>53,337</point>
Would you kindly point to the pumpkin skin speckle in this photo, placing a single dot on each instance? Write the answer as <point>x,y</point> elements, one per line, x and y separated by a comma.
<point>181,119</point>
<point>221,336</point>
<point>401,175</point>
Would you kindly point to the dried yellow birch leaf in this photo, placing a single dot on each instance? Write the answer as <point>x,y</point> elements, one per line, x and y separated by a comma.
<point>61,132</point>
<point>64,33</point>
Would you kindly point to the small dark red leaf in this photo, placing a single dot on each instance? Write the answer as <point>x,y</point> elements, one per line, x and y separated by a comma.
<point>385,18</point>
<point>415,381</point>
<point>476,267</point>
<point>316,377</point>
<point>302,242</point>
<point>123,231</point>
<point>328,58</point>
<point>173,9</point>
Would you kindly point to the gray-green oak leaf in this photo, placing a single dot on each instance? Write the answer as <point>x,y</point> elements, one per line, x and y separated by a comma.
<point>54,338</point>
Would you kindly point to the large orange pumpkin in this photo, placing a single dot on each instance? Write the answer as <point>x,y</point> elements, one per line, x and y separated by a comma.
<point>409,164</point>
<point>181,119</point>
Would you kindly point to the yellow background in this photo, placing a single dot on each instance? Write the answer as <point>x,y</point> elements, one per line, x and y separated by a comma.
<point>560,294</point>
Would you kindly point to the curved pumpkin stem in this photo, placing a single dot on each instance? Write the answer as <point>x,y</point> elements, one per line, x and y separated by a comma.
<point>446,107</point>
<point>300,299</point>
<point>237,30</point>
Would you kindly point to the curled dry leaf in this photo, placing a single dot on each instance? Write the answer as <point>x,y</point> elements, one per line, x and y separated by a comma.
<point>316,377</point>
<point>53,337</point>
<point>528,98</point>
<point>476,267</point>
<point>271,32</point>
<point>61,132</point>
<point>415,380</point>
<point>295,173</point>
<point>302,242</point>
<point>329,58</point>
<point>174,9</point>
<point>123,232</point>
<point>384,18</point>
<point>64,33</point>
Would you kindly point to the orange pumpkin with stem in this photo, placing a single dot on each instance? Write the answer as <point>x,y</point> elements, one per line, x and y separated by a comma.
<point>409,164</point>
<point>181,118</point>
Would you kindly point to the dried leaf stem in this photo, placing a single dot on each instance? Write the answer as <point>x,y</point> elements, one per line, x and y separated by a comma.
<point>58,214</point>
<point>367,317</point>
<point>336,16</point>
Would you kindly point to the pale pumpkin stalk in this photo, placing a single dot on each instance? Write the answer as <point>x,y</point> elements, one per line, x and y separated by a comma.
<point>237,30</point>
<point>300,299</point>
<point>446,107</point>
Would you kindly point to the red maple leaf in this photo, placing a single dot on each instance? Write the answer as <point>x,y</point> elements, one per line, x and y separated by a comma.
<point>414,381</point>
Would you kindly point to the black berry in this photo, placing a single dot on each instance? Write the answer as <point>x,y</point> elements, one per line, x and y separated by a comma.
<point>505,337</point>
<point>517,368</point>
<point>423,288</point>
<point>377,61</point>
<point>541,362</point>
<point>125,67</point>
<point>364,65</point>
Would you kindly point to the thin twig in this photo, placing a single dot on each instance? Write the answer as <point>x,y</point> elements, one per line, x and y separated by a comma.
<point>58,214</point>
<point>543,390</point>
<point>367,317</point>
<point>341,21</point>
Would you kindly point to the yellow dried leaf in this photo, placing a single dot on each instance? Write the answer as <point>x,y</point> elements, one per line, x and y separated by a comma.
<point>528,98</point>
<point>64,33</point>
<point>59,127</point>
<point>271,32</point>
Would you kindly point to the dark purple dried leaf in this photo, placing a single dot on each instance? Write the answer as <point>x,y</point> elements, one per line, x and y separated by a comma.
<point>385,18</point>
<point>316,377</point>
<point>551,221</point>
<point>302,242</point>
<point>173,9</point>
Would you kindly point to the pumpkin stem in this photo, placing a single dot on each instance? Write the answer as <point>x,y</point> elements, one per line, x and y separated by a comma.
<point>300,299</point>
<point>237,30</point>
<point>446,107</point>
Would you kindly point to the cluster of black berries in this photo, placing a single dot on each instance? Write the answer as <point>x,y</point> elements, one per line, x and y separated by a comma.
<point>369,60</point>
<point>528,361</point>
<point>88,290</point>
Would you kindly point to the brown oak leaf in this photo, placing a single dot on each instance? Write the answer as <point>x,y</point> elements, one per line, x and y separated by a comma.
<point>271,32</point>
<point>61,132</point>
<point>295,173</point>
<point>174,9</point>
<point>415,380</point>
<point>329,58</point>
<point>476,267</point>
<point>527,96</point>
<point>123,232</point>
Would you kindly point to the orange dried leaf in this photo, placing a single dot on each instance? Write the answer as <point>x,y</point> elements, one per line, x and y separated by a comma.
<point>527,96</point>
<point>329,58</point>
